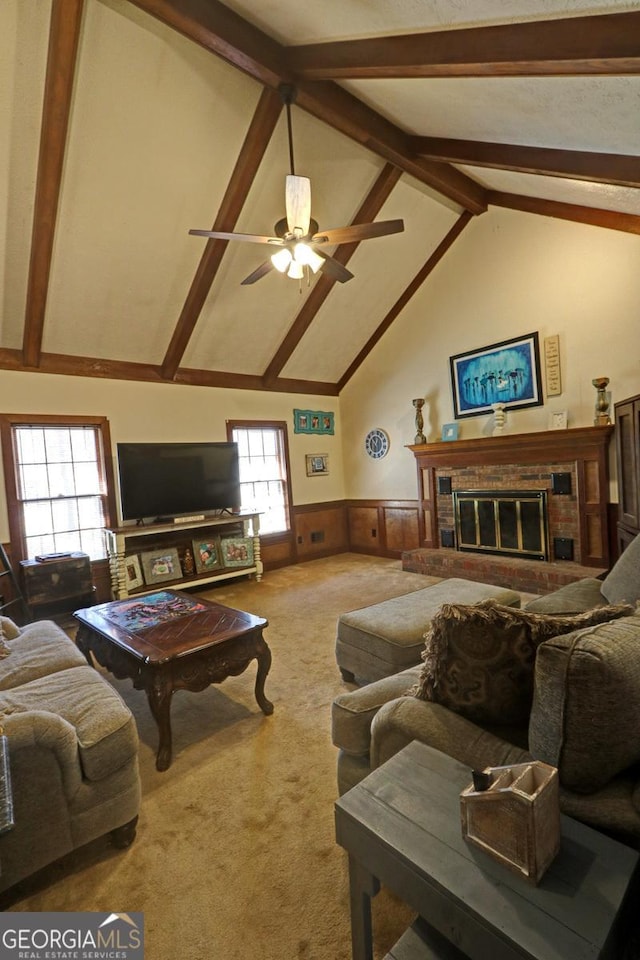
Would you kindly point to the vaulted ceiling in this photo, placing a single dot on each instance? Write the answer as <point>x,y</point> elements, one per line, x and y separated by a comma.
<point>125,123</point>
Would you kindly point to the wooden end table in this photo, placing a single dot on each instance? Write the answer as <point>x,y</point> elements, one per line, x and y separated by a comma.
<point>401,827</point>
<point>167,641</point>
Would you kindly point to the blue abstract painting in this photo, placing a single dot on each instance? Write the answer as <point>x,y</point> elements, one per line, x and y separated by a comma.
<point>507,372</point>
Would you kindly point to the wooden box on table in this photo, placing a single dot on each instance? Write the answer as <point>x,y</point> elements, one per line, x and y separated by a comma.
<point>516,818</point>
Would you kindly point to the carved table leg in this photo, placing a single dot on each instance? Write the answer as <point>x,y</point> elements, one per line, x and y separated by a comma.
<point>83,642</point>
<point>263,654</point>
<point>159,692</point>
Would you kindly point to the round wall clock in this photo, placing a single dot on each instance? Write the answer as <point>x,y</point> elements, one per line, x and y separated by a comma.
<point>376,443</point>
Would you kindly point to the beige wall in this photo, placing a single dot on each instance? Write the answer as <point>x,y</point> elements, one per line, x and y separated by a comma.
<point>151,412</point>
<point>508,274</point>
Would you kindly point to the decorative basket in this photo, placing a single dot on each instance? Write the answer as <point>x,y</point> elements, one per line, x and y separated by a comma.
<point>516,818</point>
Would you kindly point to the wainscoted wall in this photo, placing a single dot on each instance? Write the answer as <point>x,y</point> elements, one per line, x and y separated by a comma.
<point>383,528</point>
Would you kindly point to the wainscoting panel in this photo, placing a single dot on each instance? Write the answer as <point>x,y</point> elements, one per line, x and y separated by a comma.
<point>320,530</point>
<point>402,528</point>
<point>383,527</point>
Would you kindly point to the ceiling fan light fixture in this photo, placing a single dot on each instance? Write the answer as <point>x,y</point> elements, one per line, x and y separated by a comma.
<point>282,260</point>
<point>305,255</point>
<point>296,270</point>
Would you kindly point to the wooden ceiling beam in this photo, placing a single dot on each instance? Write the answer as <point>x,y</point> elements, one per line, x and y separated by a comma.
<point>258,136</point>
<point>64,34</point>
<point>407,295</point>
<point>615,168</point>
<point>323,286</point>
<point>610,219</point>
<point>221,31</point>
<point>572,46</point>
<point>97,367</point>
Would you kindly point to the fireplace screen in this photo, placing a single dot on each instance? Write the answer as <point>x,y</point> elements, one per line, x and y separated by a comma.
<point>511,522</point>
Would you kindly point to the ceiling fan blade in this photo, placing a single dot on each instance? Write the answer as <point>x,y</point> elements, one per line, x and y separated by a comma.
<point>298,204</point>
<point>334,269</point>
<point>247,237</point>
<point>258,273</point>
<point>359,231</point>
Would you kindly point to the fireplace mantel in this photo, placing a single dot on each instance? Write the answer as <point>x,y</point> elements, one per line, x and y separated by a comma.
<point>585,447</point>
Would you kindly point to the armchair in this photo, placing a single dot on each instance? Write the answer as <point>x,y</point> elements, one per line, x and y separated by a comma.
<point>73,751</point>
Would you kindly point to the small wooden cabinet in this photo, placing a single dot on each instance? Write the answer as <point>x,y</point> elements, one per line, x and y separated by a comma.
<point>125,543</point>
<point>57,585</point>
<point>627,423</point>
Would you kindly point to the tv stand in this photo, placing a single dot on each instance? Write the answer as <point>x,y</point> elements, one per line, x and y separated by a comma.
<point>124,542</point>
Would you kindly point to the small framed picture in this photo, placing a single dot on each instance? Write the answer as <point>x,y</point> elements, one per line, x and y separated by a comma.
<point>450,431</point>
<point>161,565</point>
<point>317,464</point>
<point>236,551</point>
<point>133,573</point>
<point>207,555</point>
<point>558,420</point>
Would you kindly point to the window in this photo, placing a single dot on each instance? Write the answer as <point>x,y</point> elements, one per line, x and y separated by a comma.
<point>56,480</point>
<point>264,474</point>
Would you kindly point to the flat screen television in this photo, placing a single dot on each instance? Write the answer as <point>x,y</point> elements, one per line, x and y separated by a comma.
<point>166,480</point>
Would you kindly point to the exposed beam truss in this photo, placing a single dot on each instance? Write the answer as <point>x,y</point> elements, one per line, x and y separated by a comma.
<point>615,168</point>
<point>574,46</point>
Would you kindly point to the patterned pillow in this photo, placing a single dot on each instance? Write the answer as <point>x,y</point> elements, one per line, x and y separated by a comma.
<point>479,658</point>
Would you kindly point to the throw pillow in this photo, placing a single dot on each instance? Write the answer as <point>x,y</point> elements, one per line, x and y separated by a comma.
<point>479,658</point>
<point>586,707</point>
<point>622,583</point>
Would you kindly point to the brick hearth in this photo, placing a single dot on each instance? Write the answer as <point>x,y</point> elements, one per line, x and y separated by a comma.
<point>526,576</point>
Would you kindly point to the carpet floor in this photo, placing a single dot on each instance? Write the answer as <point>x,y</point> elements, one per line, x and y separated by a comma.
<point>235,855</point>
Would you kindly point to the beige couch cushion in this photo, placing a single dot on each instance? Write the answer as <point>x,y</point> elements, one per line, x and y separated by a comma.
<point>622,583</point>
<point>585,718</point>
<point>104,726</point>
<point>479,658</point>
<point>352,713</point>
<point>574,597</point>
<point>38,649</point>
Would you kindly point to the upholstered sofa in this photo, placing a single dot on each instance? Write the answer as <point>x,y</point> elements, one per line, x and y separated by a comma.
<point>583,715</point>
<point>72,747</point>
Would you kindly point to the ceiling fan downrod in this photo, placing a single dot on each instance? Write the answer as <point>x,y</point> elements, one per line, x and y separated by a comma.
<point>288,94</point>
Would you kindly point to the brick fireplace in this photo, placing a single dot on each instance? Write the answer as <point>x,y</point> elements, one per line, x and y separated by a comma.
<point>568,467</point>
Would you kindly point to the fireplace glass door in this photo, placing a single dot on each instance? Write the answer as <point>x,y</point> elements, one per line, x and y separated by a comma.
<point>510,522</point>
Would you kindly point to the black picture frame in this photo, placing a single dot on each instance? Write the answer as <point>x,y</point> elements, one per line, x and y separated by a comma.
<point>507,372</point>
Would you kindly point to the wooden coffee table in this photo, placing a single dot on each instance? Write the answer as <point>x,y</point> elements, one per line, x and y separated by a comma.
<point>168,640</point>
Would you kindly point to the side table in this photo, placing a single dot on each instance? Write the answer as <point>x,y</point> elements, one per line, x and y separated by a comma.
<point>59,585</point>
<point>401,829</point>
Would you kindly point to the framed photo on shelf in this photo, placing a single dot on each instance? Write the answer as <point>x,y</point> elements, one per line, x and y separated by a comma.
<point>507,372</point>
<point>207,555</point>
<point>237,551</point>
<point>161,565</point>
<point>133,572</point>
<point>317,464</point>
<point>450,431</point>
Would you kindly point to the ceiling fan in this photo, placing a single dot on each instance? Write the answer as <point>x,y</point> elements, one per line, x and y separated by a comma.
<point>297,236</point>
